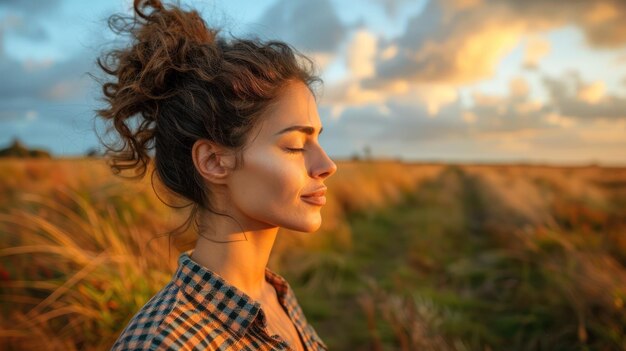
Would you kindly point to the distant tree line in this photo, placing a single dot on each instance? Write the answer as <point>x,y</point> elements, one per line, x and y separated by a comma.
<point>18,149</point>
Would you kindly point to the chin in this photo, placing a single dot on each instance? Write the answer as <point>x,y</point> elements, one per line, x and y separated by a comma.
<point>308,227</point>
<point>313,229</point>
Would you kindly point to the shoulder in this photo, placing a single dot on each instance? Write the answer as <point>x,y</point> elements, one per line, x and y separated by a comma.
<point>173,321</point>
<point>143,326</point>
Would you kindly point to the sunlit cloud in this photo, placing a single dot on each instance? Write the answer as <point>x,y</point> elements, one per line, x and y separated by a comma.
<point>463,41</point>
<point>591,93</point>
<point>432,96</point>
<point>361,54</point>
<point>536,49</point>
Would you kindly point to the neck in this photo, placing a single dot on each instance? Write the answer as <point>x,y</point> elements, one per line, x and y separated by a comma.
<point>241,262</point>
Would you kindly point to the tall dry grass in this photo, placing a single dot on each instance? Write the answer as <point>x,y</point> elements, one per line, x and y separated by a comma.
<point>76,253</point>
<point>567,225</point>
<point>76,274</point>
<point>81,254</point>
<point>534,254</point>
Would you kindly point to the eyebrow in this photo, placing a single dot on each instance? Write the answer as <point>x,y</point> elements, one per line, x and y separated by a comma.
<point>303,129</point>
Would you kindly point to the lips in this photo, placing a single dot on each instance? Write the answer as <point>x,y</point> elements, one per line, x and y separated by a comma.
<point>317,193</point>
<point>316,198</point>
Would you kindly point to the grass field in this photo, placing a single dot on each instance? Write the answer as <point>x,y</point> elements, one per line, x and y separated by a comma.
<point>409,256</point>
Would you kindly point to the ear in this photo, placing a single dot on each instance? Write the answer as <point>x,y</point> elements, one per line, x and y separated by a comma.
<point>212,161</point>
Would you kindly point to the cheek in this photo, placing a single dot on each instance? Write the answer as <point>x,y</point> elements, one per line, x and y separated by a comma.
<point>270,180</point>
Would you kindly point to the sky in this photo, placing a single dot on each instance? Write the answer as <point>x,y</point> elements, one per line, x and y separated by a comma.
<point>441,80</point>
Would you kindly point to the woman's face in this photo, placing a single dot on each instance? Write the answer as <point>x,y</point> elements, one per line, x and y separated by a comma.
<point>282,164</point>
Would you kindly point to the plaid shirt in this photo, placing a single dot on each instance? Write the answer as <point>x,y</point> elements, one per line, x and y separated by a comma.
<point>199,310</point>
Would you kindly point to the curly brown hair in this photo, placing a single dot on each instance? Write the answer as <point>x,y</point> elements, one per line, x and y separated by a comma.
<point>178,82</point>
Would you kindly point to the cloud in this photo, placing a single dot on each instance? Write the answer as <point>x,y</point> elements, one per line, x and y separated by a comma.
<point>438,49</point>
<point>432,96</point>
<point>402,123</point>
<point>462,42</point>
<point>509,126</point>
<point>64,127</point>
<point>351,93</point>
<point>536,49</point>
<point>46,79</point>
<point>601,20</point>
<point>309,25</point>
<point>412,123</point>
<point>498,115</point>
<point>45,102</point>
<point>591,93</point>
<point>19,26</point>
<point>603,23</point>
<point>571,96</point>
<point>22,18</point>
<point>391,7</point>
<point>361,54</point>
<point>409,129</point>
<point>412,96</point>
<point>390,52</point>
<point>518,88</point>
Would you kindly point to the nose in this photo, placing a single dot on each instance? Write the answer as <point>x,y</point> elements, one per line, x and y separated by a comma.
<point>325,167</point>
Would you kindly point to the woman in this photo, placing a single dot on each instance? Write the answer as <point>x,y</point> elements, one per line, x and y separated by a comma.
<point>234,128</point>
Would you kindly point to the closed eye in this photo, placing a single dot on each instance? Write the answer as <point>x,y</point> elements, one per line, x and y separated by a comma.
<point>293,151</point>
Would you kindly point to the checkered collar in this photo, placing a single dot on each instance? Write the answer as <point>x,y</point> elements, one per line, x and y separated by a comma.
<point>213,294</point>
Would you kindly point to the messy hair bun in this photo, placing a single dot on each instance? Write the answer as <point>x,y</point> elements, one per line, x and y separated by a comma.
<point>178,82</point>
